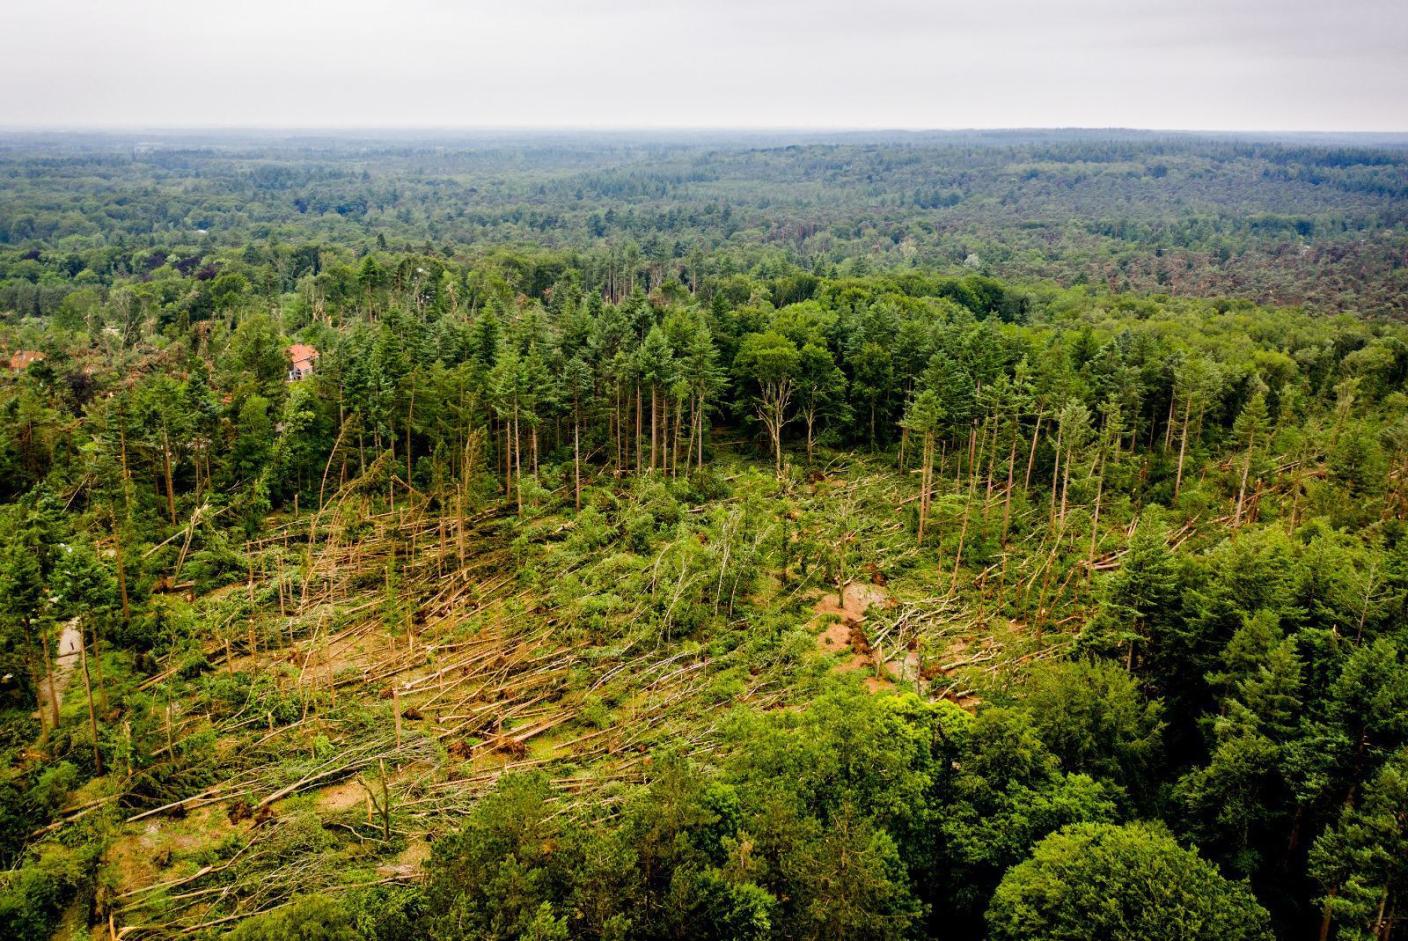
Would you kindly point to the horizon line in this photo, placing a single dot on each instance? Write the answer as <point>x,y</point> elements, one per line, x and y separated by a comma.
<point>162,128</point>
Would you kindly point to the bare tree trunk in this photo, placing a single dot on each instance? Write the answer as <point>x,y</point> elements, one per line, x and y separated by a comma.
<point>410,412</point>
<point>1182,446</point>
<point>49,665</point>
<point>1095,519</point>
<point>1242,489</point>
<point>689,445</point>
<point>962,534</point>
<point>926,477</point>
<point>517,470</point>
<point>777,448</point>
<point>166,472</point>
<point>577,460</point>
<point>92,713</point>
<point>1326,912</point>
<point>972,449</point>
<point>98,669</point>
<point>1031,458</point>
<point>992,462</point>
<point>675,451</point>
<point>121,570</point>
<point>1065,484</point>
<point>1007,499</point>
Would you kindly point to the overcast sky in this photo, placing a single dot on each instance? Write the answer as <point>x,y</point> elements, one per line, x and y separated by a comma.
<point>1197,64</point>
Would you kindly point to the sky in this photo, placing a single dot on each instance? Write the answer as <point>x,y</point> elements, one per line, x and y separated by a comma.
<point>1271,65</point>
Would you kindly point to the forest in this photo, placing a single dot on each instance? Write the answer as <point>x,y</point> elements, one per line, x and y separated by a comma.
<point>988,536</point>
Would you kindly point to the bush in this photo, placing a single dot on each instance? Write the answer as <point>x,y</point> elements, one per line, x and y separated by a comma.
<point>1121,883</point>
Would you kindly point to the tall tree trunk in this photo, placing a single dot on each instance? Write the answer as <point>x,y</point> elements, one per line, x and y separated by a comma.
<point>992,462</point>
<point>1182,446</point>
<point>1325,913</point>
<point>675,453</point>
<point>49,664</point>
<point>517,469</point>
<point>962,534</point>
<point>1095,518</point>
<point>689,445</point>
<point>1065,484</point>
<point>777,442</point>
<point>38,678</point>
<point>926,476</point>
<point>121,569</point>
<point>1242,488</point>
<point>166,472</point>
<point>98,669</point>
<point>577,459</point>
<point>972,450</point>
<point>92,713</point>
<point>1011,471</point>
<point>1031,458</point>
<point>699,451</point>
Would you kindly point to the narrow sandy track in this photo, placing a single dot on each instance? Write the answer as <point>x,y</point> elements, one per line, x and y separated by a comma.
<point>69,640</point>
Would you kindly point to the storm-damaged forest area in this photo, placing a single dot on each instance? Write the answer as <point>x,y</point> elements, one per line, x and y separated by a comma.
<point>983,535</point>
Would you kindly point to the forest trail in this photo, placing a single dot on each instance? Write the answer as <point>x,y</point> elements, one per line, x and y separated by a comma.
<point>69,640</point>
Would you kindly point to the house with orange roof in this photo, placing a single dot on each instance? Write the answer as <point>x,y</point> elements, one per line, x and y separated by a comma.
<point>22,359</point>
<point>302,358</point>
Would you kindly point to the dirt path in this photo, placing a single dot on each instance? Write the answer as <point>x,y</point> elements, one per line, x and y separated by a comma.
<point>69,640</point>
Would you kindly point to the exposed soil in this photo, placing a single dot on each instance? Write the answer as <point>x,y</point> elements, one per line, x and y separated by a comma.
<point>859,596</point>
<point>847,631</point>
<point>342,796</point>
<point>69,640</point>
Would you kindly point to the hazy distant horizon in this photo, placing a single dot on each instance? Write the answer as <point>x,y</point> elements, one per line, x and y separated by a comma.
<point>692,132</point>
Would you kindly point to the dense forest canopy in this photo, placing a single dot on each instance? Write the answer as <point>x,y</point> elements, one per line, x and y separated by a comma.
<point>960,536</point>
<point>1316,220</point>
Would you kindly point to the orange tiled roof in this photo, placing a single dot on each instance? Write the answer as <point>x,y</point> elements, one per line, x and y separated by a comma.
<point>22,358</point>
<point>302,355</point>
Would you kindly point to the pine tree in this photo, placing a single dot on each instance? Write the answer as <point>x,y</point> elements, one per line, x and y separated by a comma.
<point>924,417</point>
